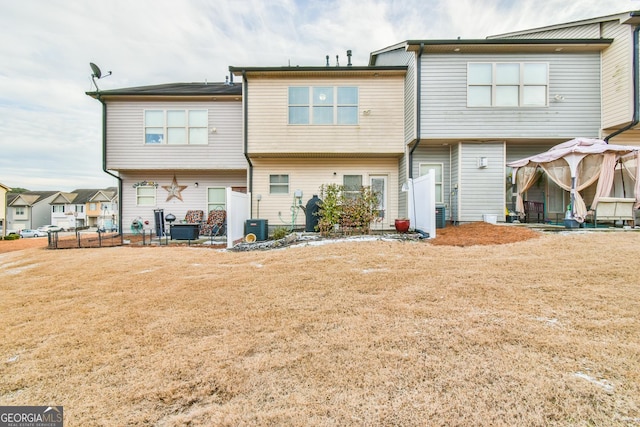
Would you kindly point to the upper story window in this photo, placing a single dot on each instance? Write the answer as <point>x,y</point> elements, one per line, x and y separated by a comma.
<point>176,127</point>
<point>323,105</point>
<point>57,208</point>
<point>20,211</point>
<point>507,84</point>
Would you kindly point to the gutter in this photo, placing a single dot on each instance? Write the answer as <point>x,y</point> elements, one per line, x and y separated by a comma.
<point>418,111</point>
<point>104,160</point>
<point>636,98</point>
<point>245,91</point>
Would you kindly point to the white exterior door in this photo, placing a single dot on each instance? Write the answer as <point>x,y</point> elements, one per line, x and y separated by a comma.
<point>379,187</point>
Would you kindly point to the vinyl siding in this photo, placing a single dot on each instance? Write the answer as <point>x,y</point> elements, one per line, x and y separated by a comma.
<point>435,154</point>
<point>482,190</point>
<point>192,197</point>
<point>454,207</point>
<point>402,57</point>
<point>126,149</point>
<point>576,77</point>
<point>630,137</point>
<point>379,132</point>
<point>617,82</point>
<point>587,31</point>
<point>308,175</point>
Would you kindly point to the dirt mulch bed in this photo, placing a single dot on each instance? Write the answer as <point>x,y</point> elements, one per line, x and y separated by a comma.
<point>482,233</point>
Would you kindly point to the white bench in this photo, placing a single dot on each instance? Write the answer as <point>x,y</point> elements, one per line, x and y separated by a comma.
<point>615,209</point>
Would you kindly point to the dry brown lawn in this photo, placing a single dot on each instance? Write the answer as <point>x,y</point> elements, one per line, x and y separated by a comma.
<point>542,331</point>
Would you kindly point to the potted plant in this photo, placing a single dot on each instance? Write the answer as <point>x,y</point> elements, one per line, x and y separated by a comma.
<point>402,225</point>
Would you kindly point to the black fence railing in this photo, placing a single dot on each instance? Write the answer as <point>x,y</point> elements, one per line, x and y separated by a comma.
<point>84,239</point>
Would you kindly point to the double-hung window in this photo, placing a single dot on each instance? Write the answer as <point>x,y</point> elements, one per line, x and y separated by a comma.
<point>278,184</point>
<point>352,186</point>
<point>323,105</point>
<point>146,195</point>
<point>179,127</point>
<point>507,84</point>
<point>437,169</point>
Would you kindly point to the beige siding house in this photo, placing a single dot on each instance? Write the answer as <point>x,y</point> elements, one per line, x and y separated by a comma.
<point>309,126</point>
<point>173,147</point>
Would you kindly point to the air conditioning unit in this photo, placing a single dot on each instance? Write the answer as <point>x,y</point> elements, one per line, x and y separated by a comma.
<point>441,217</point>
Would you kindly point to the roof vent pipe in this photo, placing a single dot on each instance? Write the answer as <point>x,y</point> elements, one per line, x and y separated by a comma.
<point>349,58</point>
<point>327,60</point>
<point>337,61</point>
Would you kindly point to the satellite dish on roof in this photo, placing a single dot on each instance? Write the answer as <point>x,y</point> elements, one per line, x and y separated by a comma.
<point>96,70</point>
<point>97,74</point>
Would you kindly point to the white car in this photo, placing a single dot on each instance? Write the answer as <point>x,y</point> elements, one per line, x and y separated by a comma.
<point>32,233</point>
<point>48,228</point>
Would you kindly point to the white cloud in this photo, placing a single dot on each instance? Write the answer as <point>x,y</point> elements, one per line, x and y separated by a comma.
<point>50,131</point>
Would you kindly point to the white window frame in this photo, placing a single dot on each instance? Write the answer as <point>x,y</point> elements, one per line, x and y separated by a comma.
<point>423,169</point>
<point>216,203</point>
<point>193,132</point>
<point>149,199</point>
<point>57,208</point>
<point>281,185</point>
<point>322,98</point>
<point>494,86</point>
<point>351,193</point>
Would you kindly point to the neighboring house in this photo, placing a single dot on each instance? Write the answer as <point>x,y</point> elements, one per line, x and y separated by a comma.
<point>30,209</point>
<point>83,208</point>
<point>311,126</point>
<point>3,209</point>
<point>473,105</point>
<point>175,147</point>
<point>102,209</point>
<point>67,210</point>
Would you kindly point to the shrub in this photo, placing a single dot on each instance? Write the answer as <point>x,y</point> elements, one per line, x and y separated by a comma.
<point>351,213</point>
<point>280,233</point>
<point>12,237</point>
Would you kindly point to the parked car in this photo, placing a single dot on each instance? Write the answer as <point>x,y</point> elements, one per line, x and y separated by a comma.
<point>48,228</point>
<point>32,233</point>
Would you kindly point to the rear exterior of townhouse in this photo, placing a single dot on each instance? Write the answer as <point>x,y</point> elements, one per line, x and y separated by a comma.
<point>463,108</point>
<point>175,147</point>
<point>306,127</point>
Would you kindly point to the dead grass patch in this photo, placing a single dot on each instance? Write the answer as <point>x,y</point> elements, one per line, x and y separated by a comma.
<point>540,332</point>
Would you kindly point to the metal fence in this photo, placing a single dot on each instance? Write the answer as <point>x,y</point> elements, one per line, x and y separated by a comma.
<point>84,239</point>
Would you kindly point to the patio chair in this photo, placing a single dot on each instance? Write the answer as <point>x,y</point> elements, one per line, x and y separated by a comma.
<point>216,224</point>
<point>194,216</point>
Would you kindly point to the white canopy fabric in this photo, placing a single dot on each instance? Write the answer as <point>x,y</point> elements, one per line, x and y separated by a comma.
<point>576,164</point>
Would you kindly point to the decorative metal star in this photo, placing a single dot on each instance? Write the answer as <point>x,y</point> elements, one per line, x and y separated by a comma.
<point>174,190</point>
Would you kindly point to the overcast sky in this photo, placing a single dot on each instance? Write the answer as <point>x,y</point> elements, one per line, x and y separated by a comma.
<point>50,131</point>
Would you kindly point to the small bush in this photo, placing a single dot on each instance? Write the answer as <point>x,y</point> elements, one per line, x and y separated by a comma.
<point>280,233</point>
<point>352,213</point>
<point>12,237</point>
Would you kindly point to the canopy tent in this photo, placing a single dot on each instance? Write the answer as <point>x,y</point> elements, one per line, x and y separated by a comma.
<point>574,165</point>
